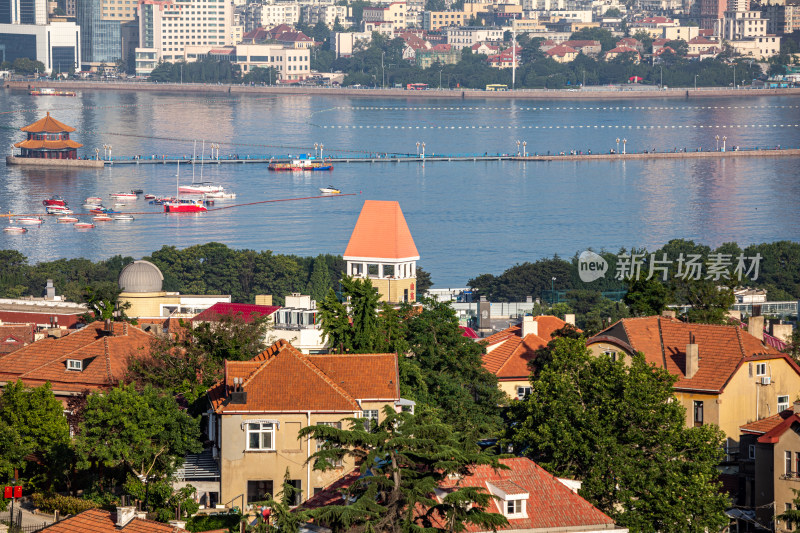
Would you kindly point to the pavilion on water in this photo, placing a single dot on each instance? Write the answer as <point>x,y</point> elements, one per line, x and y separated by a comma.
<point>48,139</point>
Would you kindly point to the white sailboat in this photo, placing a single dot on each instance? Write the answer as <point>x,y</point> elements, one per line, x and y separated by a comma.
<point>200,187</point>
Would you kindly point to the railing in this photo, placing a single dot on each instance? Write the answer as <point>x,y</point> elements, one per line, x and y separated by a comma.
<point>14,521</point>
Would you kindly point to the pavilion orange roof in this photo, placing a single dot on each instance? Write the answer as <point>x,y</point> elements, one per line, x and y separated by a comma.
<point>47,125</point>
<point>381,232</point>
<point>48,145</point>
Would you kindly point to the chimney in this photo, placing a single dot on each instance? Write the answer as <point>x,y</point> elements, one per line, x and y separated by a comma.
<point>125,515</point>
<point>108,327</point>
<point>238,396</point>
<point>782,331</point>
<point>569,318</point>
<point>692,357</point>
<point>668,313</point>
<point>796,406</point>
<point>178,524</point>
<point>50,291</point>
<point>755,327</point>
<point>529,299</point>
<point>529,326</point>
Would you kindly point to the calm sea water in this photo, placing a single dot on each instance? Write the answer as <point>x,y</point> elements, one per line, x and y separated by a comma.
<point>466,218</point>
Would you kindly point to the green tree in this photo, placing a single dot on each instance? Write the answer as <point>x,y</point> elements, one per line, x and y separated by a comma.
<point>162,499</point>
<point>612,12</point>
<point>619,429</point>
<point>102,300</point>
<point>320,281</point>
<point>403,459</point>
<point>647,297</point>
<point>285,517</point>
<point>792,516</point>
<point>335,323</point>
<point>143,432</point>
<point>444,371</point>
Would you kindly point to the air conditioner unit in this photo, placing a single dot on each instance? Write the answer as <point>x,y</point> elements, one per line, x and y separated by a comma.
<point>766,380</point>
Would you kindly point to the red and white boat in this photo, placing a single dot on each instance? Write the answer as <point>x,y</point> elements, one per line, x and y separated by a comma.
<point>56,209</point>
<point>29,221</point>
<point>15,229</point>
<point>149,196</point>
<point>83,225</point>
<point>124,196</point>
<point>94,200</point>
<point>200,188</point>
<point>185,206</point>
<point>102,218</point>
<point>55,200</point>
<point>67,220</point>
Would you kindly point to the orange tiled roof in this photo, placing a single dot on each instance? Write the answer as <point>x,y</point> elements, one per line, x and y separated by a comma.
<point>773,435</point>
<point>663,342</point>
<point>283,379</point>
<point>766,425</point>
<point>99,521</point>
<point>47,125</point>
<point>61,144</point>
<point>105,358</point>
<point>561,50</point>
<point>381,232</point>
<point>509,360</point>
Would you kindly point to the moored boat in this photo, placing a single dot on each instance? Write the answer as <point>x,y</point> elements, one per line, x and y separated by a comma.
<point>29,221</point>
<point>184,206</point>
<point>102,218</point>
<point>54,200</point>
<point>149,196</point>
<point>94,200</point>
<point>46,91</point>
<point>15,229</point>
<point>303,163</point>
<point>123,218</point>
<point>124,196</point>
<point>67,220</point>
<point>92,206</point>
<point>83,225</point>
<point>330,189</point>
<point>56,209</point>
<point>200,188</point>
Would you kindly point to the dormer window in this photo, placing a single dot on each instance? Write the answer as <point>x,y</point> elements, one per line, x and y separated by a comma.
<point>515,508</point>
<point>75,364</point>
<point>511,498</point>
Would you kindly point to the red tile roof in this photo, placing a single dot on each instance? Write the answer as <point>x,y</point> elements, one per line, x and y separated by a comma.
<point>15,336</point>
<point>773,435</point>
<point>561,50</point>
<point>105,358</point>
<point>510,359</point>
<point>550,506</point>
<point>47,125</point>
<point>623,50</point>
<point>99,521</point>
<point>580,44</point>
<point>247,311</point>
<point>765,425</point>
<point>283,379</point>
<point>381,232</point>
<point>723,349</point>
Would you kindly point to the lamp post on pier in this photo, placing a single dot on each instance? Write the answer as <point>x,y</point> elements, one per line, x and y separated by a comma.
<point>518,143</point>
<point>617,145</point>
<point>316,149</point>
<point>417,148</point>
<point>724,138</point>
<point>624,142</point>
<point>321,146</point>
<point>717,139</point>
<point>524,152</point>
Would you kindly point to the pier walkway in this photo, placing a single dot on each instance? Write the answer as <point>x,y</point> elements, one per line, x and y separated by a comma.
<point>419,158</point>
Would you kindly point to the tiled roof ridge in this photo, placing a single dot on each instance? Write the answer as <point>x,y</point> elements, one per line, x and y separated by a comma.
<point>271,350</point>
<point>663,352</point>
<point>107,357</point>
<point>326,378</point>
<point>740,341</point>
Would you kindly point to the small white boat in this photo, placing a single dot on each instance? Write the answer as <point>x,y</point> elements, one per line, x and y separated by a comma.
<point>123,218</point>
<point>98,205</point>
<point>94,200</point>
<point>330,189</point>
<point>83,225</point>
<point>123,196</point>
<point>30,221</point>
<point>120,205</point>
<point>219,195</point>
<point>55,209</point>
<point>15,229</point>
<point>67,220</point>
<point>102,218</point>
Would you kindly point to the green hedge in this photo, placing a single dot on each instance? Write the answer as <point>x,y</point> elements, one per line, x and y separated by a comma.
<point>65,505</point>
<point>210,522</point>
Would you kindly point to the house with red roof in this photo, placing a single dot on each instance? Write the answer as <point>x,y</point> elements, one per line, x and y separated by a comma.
<point>258,408</point>
<point>486,49</point>
<point>623,51</point>
<point>562,53</point>
<point>93,358</point>
<point>124,520</point>
<point>769,465</point>
<point>725,375</point>
<point>509,352</point>
<point>530,498</point>
<point>585,47</point>
<point>15,336</point>
<point>248,312</point>
<point>382,250</point>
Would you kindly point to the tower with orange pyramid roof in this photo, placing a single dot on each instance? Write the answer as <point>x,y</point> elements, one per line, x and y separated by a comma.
<point>381,248</point>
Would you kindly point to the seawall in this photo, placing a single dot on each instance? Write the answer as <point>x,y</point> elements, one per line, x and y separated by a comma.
<point>53,163</point>
<point>589,93</point>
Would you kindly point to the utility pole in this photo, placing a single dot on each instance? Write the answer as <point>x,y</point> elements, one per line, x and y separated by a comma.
<point>513,55</point>
<point>383,75</point>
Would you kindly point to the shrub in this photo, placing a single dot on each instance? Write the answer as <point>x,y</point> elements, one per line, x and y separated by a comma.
<point>210,522</point>
<point>65,505</point>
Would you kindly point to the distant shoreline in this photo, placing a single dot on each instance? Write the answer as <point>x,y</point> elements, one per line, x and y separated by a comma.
<point>591,93</point>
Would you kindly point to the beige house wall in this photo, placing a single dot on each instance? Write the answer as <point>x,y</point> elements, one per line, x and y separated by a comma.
<point>775,477</point>
<point>238,465</point>
<point>147,303</point>
<point>393,290</point>
<point>510,387</point>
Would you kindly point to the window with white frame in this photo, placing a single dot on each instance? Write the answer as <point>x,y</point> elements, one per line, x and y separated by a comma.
<point>261,436</point>
<point>523,392</point>
<point>783,403</point>
<point>321,442</point>
<point>369,415</point>
<point>515,508</point>
<point>787,463</point>
<point>74,364</point>
<point>761,369</point>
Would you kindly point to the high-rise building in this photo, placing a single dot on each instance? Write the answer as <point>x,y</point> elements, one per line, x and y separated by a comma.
<point>101,33</point>
<point>23,11</point>
<point>56,45</point>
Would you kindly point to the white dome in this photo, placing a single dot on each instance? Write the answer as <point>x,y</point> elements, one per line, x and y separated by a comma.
<point>141,276</point>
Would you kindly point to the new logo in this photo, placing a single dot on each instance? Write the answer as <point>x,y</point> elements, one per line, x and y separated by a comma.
<point>591,266</point>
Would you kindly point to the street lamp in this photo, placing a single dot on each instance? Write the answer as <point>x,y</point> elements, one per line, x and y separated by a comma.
<point>734,75</point>
<point>321,146</point>
<point>624,142</point>
<point>97,153</point>
<point>440,79</point>
<point>724,138</point>
<point>518,143</point>
<point>717,139</point>
<point>661,68</point>
<point>695,82</point>
<point>553,290</point>
<point>524,144</point>
<point>617,144</point>
<point>423,152</point>
<point>316,149</point>
<point>383,75</point>
<point>417,148</point>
